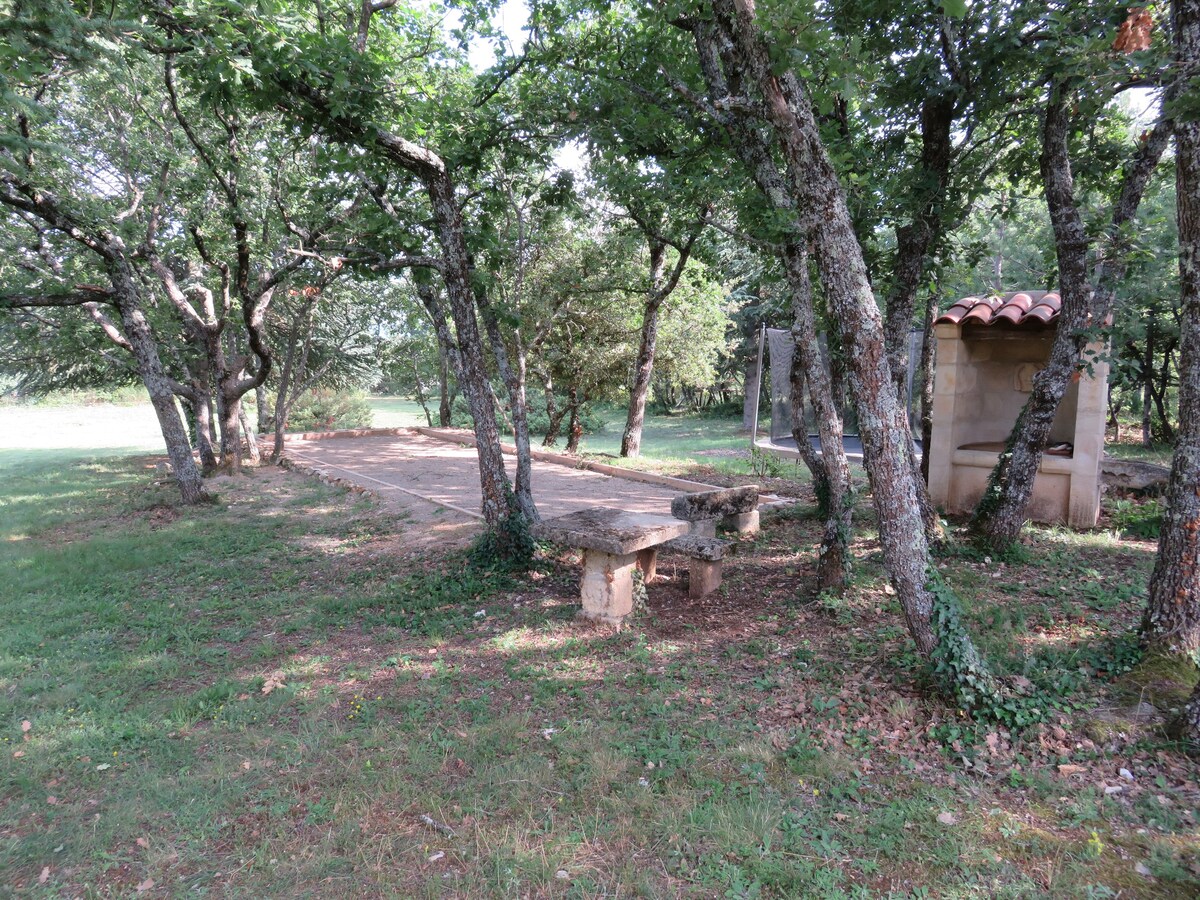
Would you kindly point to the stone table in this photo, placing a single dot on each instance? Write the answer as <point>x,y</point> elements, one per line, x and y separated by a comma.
<point>614,543</point>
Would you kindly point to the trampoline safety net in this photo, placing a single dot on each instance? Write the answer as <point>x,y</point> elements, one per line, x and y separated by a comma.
<point>781,347</point>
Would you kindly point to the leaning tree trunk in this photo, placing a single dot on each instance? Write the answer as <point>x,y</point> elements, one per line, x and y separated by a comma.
<point>514,381</point>
<point>883,421</point>
<point>1000,514</point>
<point>145,351</point>
<point>1172,619</point>
<point>456,272</point>
<point>251,438</point>
<point>833,558</point>
<point>639,391</point>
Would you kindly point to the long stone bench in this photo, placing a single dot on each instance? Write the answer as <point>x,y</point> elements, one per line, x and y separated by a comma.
<point>736,508</point>
<point>705,555</point>
<point>614,544</point>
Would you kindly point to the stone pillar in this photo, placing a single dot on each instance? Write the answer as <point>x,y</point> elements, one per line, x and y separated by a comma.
<point>704,577</point>
<point>742,523</point>
<point>950,355</point>
<point>607,588</point>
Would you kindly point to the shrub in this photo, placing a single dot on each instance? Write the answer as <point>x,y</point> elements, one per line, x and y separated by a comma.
<point>322,409</point>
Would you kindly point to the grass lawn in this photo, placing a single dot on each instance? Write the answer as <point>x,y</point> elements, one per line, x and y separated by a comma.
<point>272,697</point>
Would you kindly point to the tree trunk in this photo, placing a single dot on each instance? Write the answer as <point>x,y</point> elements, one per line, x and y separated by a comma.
<point>574,428</point>
<point>1148,388</point>
<point>445,414</point>
<point>249,435</point>
<point>145,352</point>
<point>631,440</point>
<point>914,240</point>
<point>1000,514</point>
<point>554,415</point>
<point>750,402</point>
<point>833,558</point>
<point>514,381</point>
<point>456,273</point>
<point>260,408</point>
<point>883,421</point>
<point>1172,619</point>
<point>231,438</point>
<point>928,350</point>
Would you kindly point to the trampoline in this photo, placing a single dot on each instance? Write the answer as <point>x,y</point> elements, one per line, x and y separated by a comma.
<point>776,344</point>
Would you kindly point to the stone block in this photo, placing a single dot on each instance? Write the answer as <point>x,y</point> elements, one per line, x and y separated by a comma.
<point>703,528</point>
<point>704,577</point>
<point>715,504</point>
<point>743,523</point>
<point>607,586</point>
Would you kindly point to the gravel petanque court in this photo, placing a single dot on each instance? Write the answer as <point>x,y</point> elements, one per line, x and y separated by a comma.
<point>399,466</point>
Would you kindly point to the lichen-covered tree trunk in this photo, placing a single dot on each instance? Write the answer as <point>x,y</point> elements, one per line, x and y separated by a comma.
<point>514,380</point>
<point>249,436</point>
<point>833,557</point>
<point>574,427</point>
<point>1172,619</point>
<point>639,390</point>
<point>928,349</point>
<point>145,352</point>
<point>456,272</point>
<point>883,420</point>
<point>1000,514</point>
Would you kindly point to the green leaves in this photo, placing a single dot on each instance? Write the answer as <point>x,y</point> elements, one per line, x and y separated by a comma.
<point>955,9</point>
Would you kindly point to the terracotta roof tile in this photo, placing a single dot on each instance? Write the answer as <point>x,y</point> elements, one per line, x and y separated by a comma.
<point>1023,308</point>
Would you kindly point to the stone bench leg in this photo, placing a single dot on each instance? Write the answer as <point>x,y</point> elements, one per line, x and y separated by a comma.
<point>704,577</point>
<point>703,528</point>
<point>742,523</point>
<point>607,586</point>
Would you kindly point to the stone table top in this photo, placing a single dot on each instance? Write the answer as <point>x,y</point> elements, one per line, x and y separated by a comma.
<point>608,530</point>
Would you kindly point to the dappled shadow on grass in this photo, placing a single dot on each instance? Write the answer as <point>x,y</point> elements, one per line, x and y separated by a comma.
<point>286,695</point>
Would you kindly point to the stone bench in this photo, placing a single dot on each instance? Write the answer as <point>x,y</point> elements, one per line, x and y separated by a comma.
<point>704,568</point>
<point>614,544</point>
<point>736,509</point>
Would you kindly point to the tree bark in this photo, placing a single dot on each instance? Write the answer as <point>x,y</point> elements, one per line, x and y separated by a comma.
<point>928,351</point>
<point>249,436</point>
<point>1172,619</point>
<point>883,420</point>
<point>514,380</point>
<point>456,273</point>
<point>639,390</point>
<point>145,352</point>
<point>1000,514</point>
<point>574,428</point>
<point>833,557</point>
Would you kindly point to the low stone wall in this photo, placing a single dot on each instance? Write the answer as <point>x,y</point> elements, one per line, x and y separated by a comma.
<point>286,462</point>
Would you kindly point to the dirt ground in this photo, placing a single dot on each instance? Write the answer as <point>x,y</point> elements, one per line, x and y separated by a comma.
<point>391,465</point>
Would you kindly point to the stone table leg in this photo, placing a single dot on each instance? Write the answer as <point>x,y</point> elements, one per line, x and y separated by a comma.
<point>647,561</point>
<point>607,586</point>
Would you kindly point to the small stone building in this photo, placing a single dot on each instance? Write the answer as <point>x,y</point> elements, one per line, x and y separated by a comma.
<point>988,349</point>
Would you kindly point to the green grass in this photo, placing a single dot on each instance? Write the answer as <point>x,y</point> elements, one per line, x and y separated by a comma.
<point>396,412</point>
<point>262,697</point>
